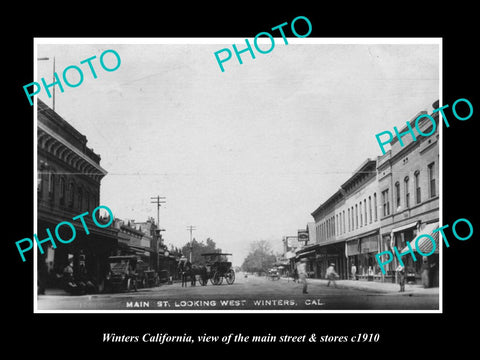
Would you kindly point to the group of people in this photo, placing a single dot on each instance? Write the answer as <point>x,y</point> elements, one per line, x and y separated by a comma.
<point>331,275</point>
<point>78,283</point>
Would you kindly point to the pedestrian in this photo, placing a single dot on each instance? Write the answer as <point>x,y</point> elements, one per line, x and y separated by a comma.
<point>354,272</point>
<point>401,277</point>
<point>331,275</point>
<point>302,274</point>
<point>295,275</point>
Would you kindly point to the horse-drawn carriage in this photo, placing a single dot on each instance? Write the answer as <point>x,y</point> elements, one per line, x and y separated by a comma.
<point>218,268</point>
<point>215,268</point>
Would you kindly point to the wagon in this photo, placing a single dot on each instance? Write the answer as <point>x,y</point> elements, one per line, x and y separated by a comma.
<point>217,268</point>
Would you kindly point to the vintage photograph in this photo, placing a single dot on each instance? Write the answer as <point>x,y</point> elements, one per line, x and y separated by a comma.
<point>165,184</point>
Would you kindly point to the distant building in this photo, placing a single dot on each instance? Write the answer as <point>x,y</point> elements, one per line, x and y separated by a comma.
<point>328,248</point>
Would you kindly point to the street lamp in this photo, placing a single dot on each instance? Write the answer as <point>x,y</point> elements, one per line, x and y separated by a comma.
<point>46,58</point>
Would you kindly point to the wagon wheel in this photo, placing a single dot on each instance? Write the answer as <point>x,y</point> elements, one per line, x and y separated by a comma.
<point>230,277</point>
<point>217,278</point>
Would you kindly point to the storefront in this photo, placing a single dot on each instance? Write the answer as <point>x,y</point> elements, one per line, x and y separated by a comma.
<point>426,267</point>
<point>309,253</point>
<point>332,254</point>
<point>361,253</point>
<point>87,255</point>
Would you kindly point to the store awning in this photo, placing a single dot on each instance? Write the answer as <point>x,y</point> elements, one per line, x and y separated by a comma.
<point>424,244</point>
<point>405,227</point>
<point>289,255</point>
<point>305,254</point>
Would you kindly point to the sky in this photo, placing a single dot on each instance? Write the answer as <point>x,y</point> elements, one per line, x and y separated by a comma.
<point>246,154</point>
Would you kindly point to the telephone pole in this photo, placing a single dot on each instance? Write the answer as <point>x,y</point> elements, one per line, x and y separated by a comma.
<point>191,228</point>
<point>159,200</point>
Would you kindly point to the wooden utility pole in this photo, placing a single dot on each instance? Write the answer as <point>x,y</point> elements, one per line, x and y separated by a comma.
<point>191,228</point>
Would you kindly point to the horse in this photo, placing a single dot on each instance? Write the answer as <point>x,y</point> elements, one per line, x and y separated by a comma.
<point>189,271</point>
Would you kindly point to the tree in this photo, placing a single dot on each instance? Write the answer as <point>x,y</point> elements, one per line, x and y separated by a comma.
<point>260,258</point>
<point>199,248</point>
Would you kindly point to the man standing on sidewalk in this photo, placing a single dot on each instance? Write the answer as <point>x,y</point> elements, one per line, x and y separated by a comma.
<point>401,277</point>
<point>331,275</point>
<point>354,272</point>
<point>302,274</point>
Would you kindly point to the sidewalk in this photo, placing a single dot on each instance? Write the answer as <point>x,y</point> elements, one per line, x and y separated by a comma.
<point>375,286</point>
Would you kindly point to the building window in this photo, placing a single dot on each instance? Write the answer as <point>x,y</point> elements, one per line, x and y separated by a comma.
<point>63,190</point>
<point>51,185</point>
<point>386,203</point>
<point>344,225</point>
<point>348,213</point>
<point>397,195</point>
<point>370,208</point>
<point>80,199</point>
<point>418,191</point>
<point>71,194</point>
<point>431,179</point>
<point>365,210</point>
<point>360,211</point>
<point>407,192</point>
<point>356,216</point>
<point>375,208</point>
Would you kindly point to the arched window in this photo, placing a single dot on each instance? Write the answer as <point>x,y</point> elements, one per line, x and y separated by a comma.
<point>407,192</point>
<point>418,190</point>
<point>370,208</point>
<point>397,195</point>
<point>365,210</point>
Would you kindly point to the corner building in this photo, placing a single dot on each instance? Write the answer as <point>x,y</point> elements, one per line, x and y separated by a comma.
<point>408,180</point>
<point>68,184</point>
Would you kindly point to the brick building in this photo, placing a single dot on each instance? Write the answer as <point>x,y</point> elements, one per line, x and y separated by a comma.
<point>385,203</point>
<point>68,184</point>
<point>408,180</point>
